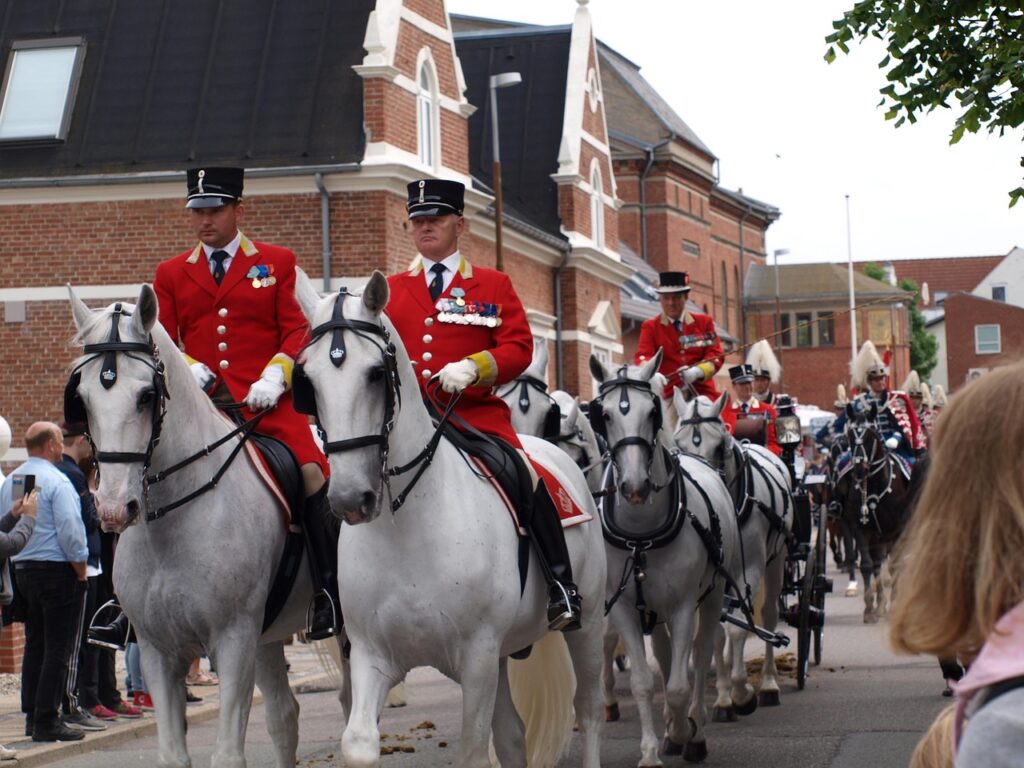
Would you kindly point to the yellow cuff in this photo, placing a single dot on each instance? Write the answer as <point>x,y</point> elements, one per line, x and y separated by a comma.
<point>189,359</point>
<point>286,364</point>
<point>707,369</point>
<point>487,369</point>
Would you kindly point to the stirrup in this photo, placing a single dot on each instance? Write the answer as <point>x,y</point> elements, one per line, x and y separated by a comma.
<point>566,619</point>
<point>93,629</point>
<point>333,629</point>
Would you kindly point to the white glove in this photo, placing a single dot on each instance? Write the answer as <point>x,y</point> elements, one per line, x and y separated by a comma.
<point>456,376</point>
<point>892,443</point>
<point>690,374</point>
<point>267,390</point>
<point>202,374</point>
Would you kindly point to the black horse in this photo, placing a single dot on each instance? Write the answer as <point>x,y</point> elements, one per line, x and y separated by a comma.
<point>875,501</point>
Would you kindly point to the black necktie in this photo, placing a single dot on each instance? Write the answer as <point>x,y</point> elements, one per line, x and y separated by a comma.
<point>744,406</point>
<point>437,282</point>
<point>678,325</point>
<point>218,258</point>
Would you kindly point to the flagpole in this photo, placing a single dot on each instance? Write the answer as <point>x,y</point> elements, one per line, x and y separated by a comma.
<point>853,311</point>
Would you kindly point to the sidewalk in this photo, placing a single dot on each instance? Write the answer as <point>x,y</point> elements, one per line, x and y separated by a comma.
<point>305,671</point>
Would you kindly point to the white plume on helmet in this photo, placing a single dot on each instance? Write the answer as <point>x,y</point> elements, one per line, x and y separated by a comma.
<point>868,361</point>
<point>841,398</point>
<point>5,436</point>
<point>912,384</point>
<point>938,396</point>
<point>926,395</point>
<point>762,359</point>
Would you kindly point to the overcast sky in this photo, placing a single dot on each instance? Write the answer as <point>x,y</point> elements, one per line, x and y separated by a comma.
<point>748,76</point>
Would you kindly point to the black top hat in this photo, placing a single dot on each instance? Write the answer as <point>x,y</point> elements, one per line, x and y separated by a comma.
<point>741,374</point>
<point>72,428</point>
<point>214,187</point>
<point>673,282</point>
<point>435,197</point>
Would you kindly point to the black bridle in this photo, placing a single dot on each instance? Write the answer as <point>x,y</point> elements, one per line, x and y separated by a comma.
<point>866,464</point>
<point>696,438</point>
<point>525,382</point>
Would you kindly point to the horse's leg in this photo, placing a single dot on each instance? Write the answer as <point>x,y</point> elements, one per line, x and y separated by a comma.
<point>768,695</point>
<point>372,677</point>
<point>641,680</point>
<point>345,691</point>
<point>661,647</point>
<point>282,709</point>
<point>867,567</point>
<point>478,675</point>
<point>678,730</point>
<point>507,726</point>
<point>585,650</point>
<point>851,547</point>
<point>708,622</point>
<point>165,678</point>
<point>235,650</point>
<point>723,710</point>
<point>611,703</point>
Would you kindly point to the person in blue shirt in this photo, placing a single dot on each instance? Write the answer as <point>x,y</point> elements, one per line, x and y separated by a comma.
<point>50,574</point>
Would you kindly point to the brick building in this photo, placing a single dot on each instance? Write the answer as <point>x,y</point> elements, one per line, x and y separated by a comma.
<point>980,334</point>
<point>814,344</point>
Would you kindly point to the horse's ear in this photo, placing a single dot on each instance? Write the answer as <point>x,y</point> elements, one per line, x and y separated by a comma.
<point>146,310</point>
<point>680,403</point>
<point>719,405</point>
<point>376,293</point>
<point>849,410</point>
<point>597,369</point>
<point>539,364</point>
<point>650,367</point>
<point>573,415</point>
<point>306,294</point>
<point>79,311</point>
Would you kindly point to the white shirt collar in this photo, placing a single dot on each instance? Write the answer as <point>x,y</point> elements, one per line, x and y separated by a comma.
<point>231,248</point>
<point>452,263</point>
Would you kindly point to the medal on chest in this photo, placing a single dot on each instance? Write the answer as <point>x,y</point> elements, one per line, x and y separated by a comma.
<point>458,310</point>
<point>262,275</point>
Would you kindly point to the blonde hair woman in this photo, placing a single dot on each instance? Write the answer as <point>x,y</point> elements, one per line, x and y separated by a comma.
<point>961,580</point>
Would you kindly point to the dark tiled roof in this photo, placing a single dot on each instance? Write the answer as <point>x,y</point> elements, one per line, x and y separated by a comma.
<point>805,282</point>
<point>957,273</point>
<point>165,85</point>
<point>635,109</point>
<point>530,113</point>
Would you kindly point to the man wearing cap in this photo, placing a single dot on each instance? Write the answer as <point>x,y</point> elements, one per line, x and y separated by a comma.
<point>746,417</point>
<point>692,351</point>
<point>230,302</point>
<point>465,326</point>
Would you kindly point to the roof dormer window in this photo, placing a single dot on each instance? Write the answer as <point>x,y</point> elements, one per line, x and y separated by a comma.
<point>38,91</point>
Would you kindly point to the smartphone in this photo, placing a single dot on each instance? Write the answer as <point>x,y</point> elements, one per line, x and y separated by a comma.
<point>22,485</point>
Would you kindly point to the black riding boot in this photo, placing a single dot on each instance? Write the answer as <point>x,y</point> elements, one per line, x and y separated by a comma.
<point>323,619</point>
<point>115,635</point>
<point>545,529</point>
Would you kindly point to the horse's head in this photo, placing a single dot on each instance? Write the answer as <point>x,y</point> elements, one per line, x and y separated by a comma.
<point>866,446</point>
<point>575,435</point>
<point>533,411</point>
<point>117,387</point>
<point>348,378</point>
<point>628,413</point>
<point>700,430</point>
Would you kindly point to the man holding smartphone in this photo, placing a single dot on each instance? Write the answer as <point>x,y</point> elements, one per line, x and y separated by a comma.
<point>50,575</point>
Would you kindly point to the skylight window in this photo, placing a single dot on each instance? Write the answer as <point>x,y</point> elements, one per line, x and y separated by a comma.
<point>39,86</point>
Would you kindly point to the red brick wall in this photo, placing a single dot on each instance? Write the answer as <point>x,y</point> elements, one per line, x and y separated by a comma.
<point>431,10</point>
<point>12,647</point>
<point>963,312</point>
<point>581,293</point>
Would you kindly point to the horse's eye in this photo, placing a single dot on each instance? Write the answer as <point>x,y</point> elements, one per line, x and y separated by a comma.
<point>376,374</point>
<point>146,397</point>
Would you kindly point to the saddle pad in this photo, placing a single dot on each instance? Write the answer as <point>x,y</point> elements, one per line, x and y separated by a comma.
<point>263,470</point>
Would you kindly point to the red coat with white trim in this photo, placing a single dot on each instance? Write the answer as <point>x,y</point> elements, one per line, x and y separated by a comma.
<point>237,328</point>
<point>696,343</point>
<point>756,409</point>
<point>433,338</point>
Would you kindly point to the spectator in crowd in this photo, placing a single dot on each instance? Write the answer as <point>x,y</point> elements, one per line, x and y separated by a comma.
<point>16,529</point>
<point>960,583</point>
<point>50,576</point>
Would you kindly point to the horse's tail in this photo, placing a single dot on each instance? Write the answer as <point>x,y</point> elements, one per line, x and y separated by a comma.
<point>542,688</point>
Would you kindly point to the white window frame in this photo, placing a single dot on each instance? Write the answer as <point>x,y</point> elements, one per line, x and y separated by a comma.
<point>428,122</point>
<point>596,206</point>
<point>21,56</point>
<point>978,343</point>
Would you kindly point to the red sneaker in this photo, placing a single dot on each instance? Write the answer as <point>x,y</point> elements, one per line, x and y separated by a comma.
<point>126,710</point>
<point>102,713</point>
<point>143,701</point>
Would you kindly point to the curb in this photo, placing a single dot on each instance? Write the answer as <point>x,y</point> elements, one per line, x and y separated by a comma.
<point>45,754</point>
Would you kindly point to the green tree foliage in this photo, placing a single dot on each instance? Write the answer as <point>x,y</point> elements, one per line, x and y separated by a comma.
<point>941,51</point>
<point>923,345</point>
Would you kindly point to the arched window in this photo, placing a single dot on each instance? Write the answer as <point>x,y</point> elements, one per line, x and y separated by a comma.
<point>596,207</point>
<point>426,115</point>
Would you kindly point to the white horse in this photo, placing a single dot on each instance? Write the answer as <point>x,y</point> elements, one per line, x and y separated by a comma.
<point>532,409</point>
<point>193,578</point>
<point>761,488</point>
<point>436,582</point>
<point>674,521</point>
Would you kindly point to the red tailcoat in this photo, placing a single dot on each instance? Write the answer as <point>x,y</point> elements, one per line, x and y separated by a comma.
<point>696,342</point>
<point>755,410</point>
<point>236,328</point>
<point>501,353</point>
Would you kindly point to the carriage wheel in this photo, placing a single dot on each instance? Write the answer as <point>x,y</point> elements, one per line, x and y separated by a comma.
<point>818,600</point>
<point>803,636</point>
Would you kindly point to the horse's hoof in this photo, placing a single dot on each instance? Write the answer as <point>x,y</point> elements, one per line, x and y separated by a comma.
<point>768,698</point>
<point>611,713</point>
<point>670,749</point>
<point>851,591</point>
<point>724,715</point>
<point>747,707</point>
<point>695,751</point>
<point>870,617</point>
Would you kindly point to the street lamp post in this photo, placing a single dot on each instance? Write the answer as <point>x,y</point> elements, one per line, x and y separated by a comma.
<point>503,80</point>
<point>778,310</point>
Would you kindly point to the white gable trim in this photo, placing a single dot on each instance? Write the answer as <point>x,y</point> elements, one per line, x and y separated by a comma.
<point>581,43</point>
<point>603,322</point>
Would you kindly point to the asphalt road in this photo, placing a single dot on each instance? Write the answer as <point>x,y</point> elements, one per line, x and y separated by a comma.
<point>864,706</point>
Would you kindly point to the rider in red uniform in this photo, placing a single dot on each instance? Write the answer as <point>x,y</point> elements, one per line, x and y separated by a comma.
<point>760,417</point>
<point>465,325</point>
